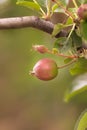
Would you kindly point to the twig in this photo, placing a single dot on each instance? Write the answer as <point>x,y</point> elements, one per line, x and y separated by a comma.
<point>29,21</point>
<point>63,55</point>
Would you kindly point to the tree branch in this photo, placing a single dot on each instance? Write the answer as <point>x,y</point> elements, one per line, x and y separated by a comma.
<point>29,21</point>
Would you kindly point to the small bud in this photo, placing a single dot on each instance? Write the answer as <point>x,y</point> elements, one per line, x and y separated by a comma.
<point>55,51</point>
<point>45,69</point>
<point>40,48</point>
<point>82,12</point>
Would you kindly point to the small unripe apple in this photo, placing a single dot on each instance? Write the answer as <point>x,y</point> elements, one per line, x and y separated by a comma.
<point>45,69</point>
<point>82,12</point>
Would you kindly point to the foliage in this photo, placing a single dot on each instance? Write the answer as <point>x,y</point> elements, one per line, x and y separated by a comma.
<point>82,121</point>
<point>72,48</point>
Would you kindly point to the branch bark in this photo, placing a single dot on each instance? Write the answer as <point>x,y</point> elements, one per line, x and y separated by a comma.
<point>29,21</point>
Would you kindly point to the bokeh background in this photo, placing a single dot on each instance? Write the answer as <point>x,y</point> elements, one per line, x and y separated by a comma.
<point>27,103</point>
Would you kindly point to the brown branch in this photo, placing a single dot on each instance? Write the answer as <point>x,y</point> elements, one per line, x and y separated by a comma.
<point>29,21</point>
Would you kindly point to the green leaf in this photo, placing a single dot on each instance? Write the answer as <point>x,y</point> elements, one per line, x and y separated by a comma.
<point>83,29</point>
<point>82,121</point>
<point>60,42</point>
<point>77,91</point>
<point>57,28</point>
<point>67,45</point>
<point>59,10</point>
<point>30,5</point>
<point>49,6</point>
<point>76,40</point>
<point>69,21</point>
<point>80,67</point>
<point>82,1</point>
<point>73,10</point>
<point>64,2</point>
<point>54,7</point>
<point>85,1</point>
<point>42,2</point>
<point>67,60</point>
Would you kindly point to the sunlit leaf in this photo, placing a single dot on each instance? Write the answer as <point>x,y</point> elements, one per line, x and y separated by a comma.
<point>82,121</point>
<point>76,40</point>
<point>69,21</point>
<point>64,2</point>
<point>80,67</point>
<point>57,28</point>
<point>67,60</point>
<point>28,4</point>
<point>77,90</point>
<point>59,10</point>
<point>73,10</point>
<point>83,28</point>
<point>42,2</point>
<point>54,7</point>
<point>82,1</point>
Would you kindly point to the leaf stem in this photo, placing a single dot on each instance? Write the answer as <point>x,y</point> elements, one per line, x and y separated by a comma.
<point>40,8</point>
<point>73,27</point>
<point>48,6</point>
<point>74,2</point>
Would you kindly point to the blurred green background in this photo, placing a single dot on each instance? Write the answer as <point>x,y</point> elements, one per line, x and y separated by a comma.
<point>27,103</point>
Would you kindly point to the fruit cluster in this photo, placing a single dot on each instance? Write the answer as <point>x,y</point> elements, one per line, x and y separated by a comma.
<point>45,69</point>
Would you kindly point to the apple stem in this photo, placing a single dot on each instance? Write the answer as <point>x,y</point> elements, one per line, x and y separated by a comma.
<point>62,55</point>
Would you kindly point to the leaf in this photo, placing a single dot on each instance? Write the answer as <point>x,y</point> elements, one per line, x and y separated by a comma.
<point>59,10</point>
<point>54,7</point>
<point>69,21</point>
<point>30,5</point>
<point>83,29</point>
<point>48,5</point>
<point>64,2</point>
<point>76,40</point>
<point>57,28</point>
<point>60,42</point>
<point>73,10</point>
<point>82,1</point>
<point>80,67</point>
<point>42,2</point>
<point>77,91</point>
<point>85,1</point>
<point>82,121</point>
<point>67,60</point>
<point>67,45</point>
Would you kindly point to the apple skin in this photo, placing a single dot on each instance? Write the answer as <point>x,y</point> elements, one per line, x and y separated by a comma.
<point>45,69</point>
<point>82,12</point>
